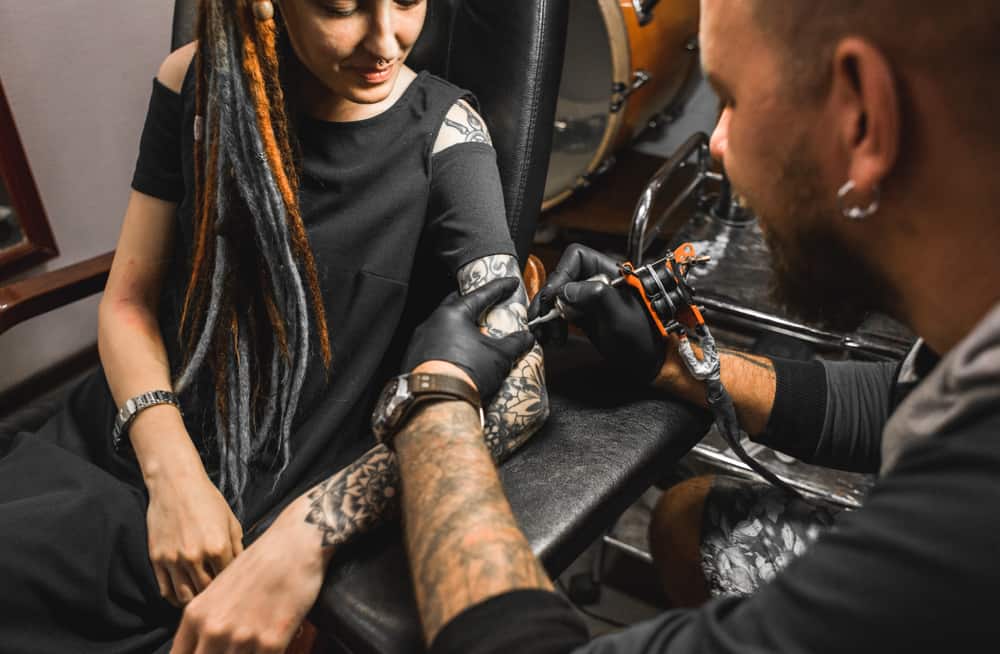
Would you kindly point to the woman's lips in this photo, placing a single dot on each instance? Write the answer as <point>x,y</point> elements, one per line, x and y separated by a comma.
<point>375,75</point>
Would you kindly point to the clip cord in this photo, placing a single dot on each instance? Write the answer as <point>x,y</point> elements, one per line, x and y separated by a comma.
<point>686,320</point>
<point>708,369</point>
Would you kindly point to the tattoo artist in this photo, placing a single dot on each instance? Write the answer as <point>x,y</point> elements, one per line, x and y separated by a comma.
<point>864,136</point>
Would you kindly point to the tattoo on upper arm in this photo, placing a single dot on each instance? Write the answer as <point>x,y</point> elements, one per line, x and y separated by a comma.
<point>521,405</point>
<point>357,498</point>
<point>470,126</point>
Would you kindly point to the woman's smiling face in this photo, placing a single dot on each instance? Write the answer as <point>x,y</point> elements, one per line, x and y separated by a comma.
<point>353,49</point>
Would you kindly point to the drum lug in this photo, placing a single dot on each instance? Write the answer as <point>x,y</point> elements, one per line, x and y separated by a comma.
<point>644,10</point>
<point>584,181</point>
<point>620,90</point>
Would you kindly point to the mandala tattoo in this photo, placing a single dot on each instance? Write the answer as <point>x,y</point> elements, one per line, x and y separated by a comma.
<point>356,498</point>
<point>471,126</point>
<point>365,493</point>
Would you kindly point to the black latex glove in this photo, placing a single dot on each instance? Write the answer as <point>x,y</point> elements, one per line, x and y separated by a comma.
<point>613,318</point>
<point>452,334</point>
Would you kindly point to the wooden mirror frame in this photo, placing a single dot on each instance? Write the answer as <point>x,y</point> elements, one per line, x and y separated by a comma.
<point>38,244</point>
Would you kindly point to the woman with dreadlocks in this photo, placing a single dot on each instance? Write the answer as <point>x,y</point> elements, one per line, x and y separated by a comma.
<point>297,195</point>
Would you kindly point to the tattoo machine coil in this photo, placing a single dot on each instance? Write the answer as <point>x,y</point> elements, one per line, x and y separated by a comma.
<point>671,305</point>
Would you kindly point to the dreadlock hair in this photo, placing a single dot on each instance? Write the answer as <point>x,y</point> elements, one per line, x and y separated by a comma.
<point>253,281</point>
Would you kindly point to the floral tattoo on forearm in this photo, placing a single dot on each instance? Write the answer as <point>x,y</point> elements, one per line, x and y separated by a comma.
<point>357,498</point>
<point>522,404</point>
<point>365,493</point>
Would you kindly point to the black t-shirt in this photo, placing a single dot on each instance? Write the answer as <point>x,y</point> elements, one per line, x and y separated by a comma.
<point>389,223</point>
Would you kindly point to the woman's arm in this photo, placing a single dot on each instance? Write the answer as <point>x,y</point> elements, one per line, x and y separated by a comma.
<point>193,533</point>
<point>522,404</point>
<point>129,339</point>
<point>266,593</point>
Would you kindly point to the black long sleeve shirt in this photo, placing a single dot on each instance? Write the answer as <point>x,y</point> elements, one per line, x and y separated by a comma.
<point>912,570</point>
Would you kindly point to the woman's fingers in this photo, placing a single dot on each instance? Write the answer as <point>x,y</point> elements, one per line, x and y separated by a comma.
<point>235,535</point>
<point>197,573</point>
<point>184,588</point>
<point>165,584</point>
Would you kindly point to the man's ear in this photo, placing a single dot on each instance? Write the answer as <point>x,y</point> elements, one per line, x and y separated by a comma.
<point>866,110</point>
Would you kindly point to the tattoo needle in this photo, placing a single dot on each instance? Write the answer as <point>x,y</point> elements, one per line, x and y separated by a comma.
<point>563,310</point>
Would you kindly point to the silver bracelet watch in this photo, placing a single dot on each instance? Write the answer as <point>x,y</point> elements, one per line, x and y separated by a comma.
<point>132,408</point>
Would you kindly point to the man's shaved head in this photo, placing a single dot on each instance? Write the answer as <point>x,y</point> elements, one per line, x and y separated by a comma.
<point>955,43</point>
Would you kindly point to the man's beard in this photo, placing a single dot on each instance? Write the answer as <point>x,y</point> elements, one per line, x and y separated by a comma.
<point>817,275</point>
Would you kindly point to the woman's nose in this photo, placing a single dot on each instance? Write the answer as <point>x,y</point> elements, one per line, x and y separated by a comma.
<point>381,39</point>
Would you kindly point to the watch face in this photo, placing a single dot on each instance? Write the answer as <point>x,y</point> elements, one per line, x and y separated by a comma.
<point>390,406</point>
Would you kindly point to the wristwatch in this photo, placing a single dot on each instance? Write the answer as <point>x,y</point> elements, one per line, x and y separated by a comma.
<point>133,406</point>
<point>403,393</point>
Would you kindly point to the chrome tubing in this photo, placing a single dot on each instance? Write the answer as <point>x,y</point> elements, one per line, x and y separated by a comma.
<point>638,236</point>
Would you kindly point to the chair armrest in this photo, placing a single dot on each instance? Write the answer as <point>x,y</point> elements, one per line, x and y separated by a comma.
<point>534,276</point>
<point>42,293</point>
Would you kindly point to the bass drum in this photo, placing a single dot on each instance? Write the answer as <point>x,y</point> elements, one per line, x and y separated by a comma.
<point>617,76</point>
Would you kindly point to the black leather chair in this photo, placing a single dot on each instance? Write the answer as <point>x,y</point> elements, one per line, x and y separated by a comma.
<point>604,443</point>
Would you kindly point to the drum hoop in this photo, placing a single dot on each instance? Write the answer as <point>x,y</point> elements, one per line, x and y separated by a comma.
<point>621,71</point>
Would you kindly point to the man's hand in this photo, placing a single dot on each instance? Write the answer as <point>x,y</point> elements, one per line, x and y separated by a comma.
<point>614,319</point>
<point>452,334</point>
<point>259,602</point>
<point>193,534</point>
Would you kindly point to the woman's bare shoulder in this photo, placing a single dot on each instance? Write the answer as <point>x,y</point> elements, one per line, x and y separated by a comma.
<point>175,66</point>
<point>462,124</point>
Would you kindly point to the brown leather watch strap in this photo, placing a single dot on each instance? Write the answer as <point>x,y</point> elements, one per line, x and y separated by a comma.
<point>424,384</point>
<point>417,388</point>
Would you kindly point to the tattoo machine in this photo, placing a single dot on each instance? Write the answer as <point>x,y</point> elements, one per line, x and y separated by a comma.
<point>670,302</point>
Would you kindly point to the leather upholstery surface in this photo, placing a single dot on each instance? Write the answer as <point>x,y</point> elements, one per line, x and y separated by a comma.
<point>509,54</point>
<point>603,445</point>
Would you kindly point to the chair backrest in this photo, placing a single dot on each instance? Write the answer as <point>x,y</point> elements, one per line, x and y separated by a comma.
<point>510,54</point>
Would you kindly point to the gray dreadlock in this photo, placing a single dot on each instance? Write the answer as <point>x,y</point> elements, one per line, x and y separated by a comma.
<point>246,182</point>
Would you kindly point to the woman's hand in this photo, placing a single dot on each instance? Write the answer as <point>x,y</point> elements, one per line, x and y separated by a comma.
<point>193,534</point>
<point>259,602</point>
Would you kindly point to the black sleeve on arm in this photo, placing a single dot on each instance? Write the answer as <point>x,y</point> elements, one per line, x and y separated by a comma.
<point>913,570</point>
<point>466,219</point>
<point>158,170</point>
<point>830,413</point>
<point>799,407</point>
<point>521,621</point>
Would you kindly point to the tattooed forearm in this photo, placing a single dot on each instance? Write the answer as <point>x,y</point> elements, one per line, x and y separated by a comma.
<point>759,362</point>
<point>752,383</point>
<point>469,125</point>
<point>463,543</point>
<point>522,404</point>
<point>357,498</point>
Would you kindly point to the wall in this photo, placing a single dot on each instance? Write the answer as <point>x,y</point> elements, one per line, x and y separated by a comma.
<point>77,74</point>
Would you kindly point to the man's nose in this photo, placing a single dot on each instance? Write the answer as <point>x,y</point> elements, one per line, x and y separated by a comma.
<point>720,137</point>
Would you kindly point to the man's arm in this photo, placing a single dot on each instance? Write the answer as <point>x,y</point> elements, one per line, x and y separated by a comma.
<point>463,543</point>
<point>750,380</point>
<point>824,413</point>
